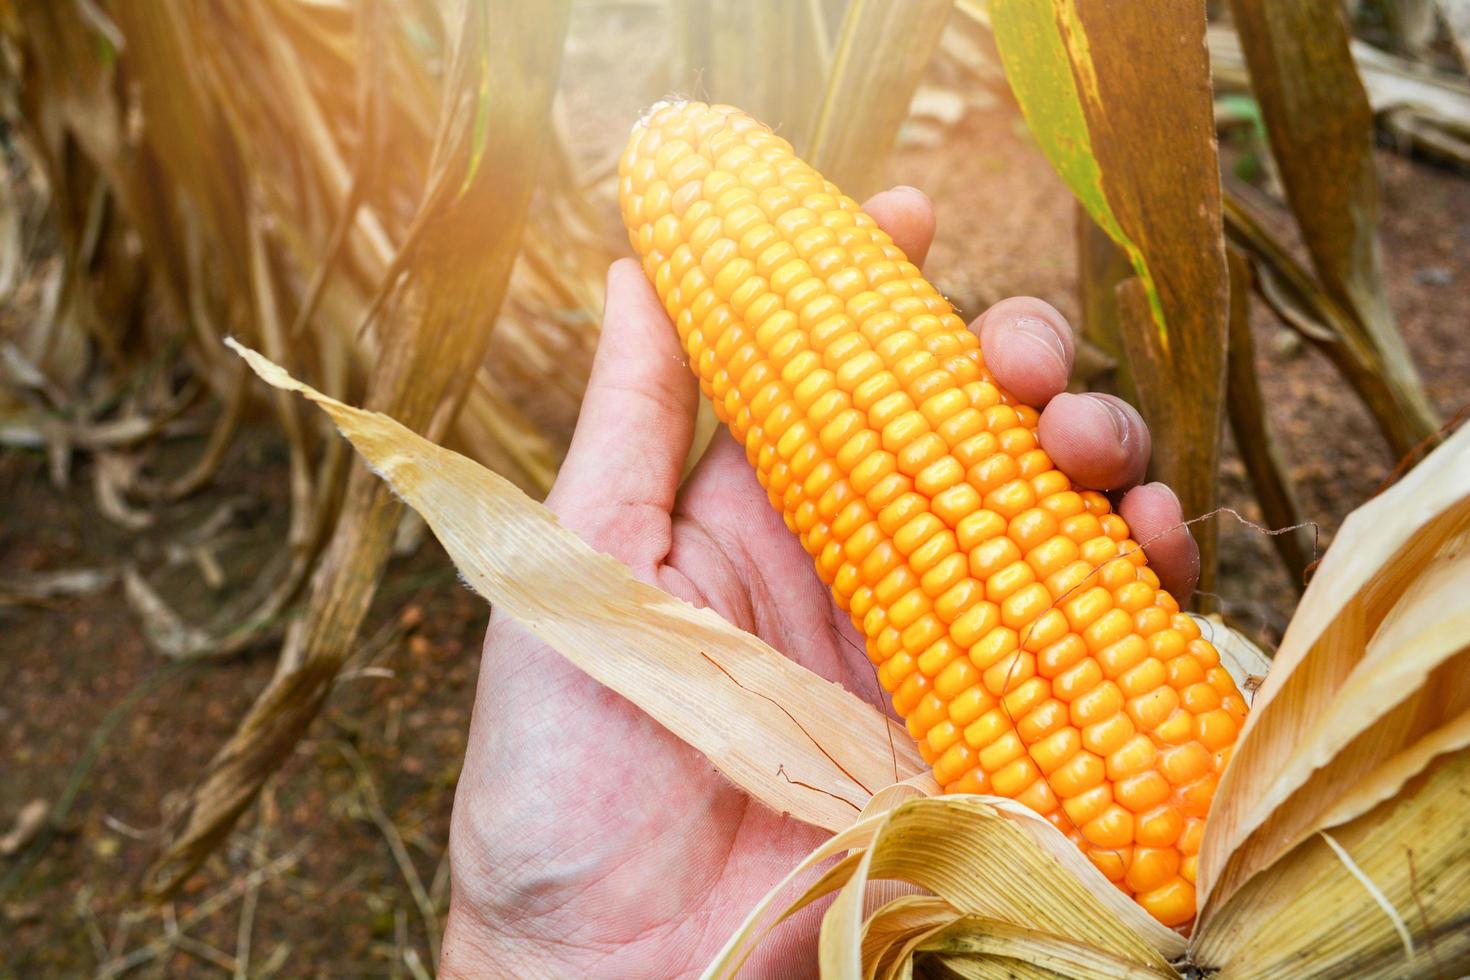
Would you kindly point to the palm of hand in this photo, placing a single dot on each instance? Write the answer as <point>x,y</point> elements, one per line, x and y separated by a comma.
<point>596,808</point>
<point>587,839</point>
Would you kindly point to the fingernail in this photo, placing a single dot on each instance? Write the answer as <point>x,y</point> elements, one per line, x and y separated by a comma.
<point>1044,337</point>
<point>1117,416</point>
<point>1158,485</point>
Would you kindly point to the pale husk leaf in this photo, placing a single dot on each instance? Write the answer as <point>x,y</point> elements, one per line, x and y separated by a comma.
<point>986,968</point>
<point>1092,906</point>
<point>858,836</point>
<point>840,946</point>
<point>1309,914</point>
<point>894,929</point>
<point>739,946</point>
<point>978,937</point>
<point>1390,777</point>
<point>1388,720</point>
<point>783,734</point>
<point>989,857</point>
<point>1378,553</point>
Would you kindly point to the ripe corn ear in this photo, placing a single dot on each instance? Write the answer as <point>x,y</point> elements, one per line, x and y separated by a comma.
<point>1016,625</point>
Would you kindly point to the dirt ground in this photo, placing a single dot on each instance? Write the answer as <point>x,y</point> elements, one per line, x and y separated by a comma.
<point>90,719</point>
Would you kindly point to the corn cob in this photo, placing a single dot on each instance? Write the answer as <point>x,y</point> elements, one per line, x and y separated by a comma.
<point>1015,624</point>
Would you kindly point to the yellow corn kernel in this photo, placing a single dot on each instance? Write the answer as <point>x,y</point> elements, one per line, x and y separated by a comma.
<point>959,675</point>
<point>1014,777</point>
<point>1153,867</point>
<point>1172,903</point>
<point>1150,710</point>
<point>1044,631</point>
<point>958,599</point>
<point>1001,752</point>
<point>968,705</point>
<point>1111,828</point>
<point>1056,749</point>
<point>1085,609</point>
<point>1012,616</point>
<point>1189,867</point>
<point>1107,735</point>
<point>973,781</point>
<point>1060,655</point>
<point>1039,797</point>
<point>1078,774</point>
<point>1111,861</point>
<point>942,736</point>
<point>1078,680</point>
<point>1042,720</point>
<point>1159,826</point>
<point>1086,805</point>
<point>1216,729</point>
<point>1142,791</point>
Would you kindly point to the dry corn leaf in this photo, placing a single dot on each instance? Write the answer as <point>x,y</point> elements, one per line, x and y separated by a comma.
<point>1380,551</point>
<point>785,735</point>
<point>894,929</point>
<point>744,940</point>
<point>1412,25</point>
<point>880,55</point>
<point>1303,304</point>
<point>1398,769</point>
<point>853,839</point>
<point>1403,703</point>
<point>1101,266</point>
<point>840,948</point>
<point>466,235</point>
<point>965,968</point>
<point>1456,14</point>
<point>1427,108</point>
<point>977,938</point>
<point>1028,866</point>
<point>40,588</point>
<point>980,856</point>
<point>12,235</point>
<point>1320,126</point>
<point>991,858</point>
<point>1245,407</point>
<point>1343,907</point>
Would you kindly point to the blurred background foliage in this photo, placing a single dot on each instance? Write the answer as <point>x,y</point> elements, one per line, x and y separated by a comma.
<point>411,205</point>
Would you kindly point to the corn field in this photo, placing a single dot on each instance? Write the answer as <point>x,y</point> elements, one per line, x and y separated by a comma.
<point>299,299</point>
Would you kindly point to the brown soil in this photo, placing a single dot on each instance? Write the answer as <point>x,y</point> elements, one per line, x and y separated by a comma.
<point>342,907</point>
<point>65,667</point>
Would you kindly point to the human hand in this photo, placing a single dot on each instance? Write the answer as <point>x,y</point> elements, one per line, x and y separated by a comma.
<point>589,841</point>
